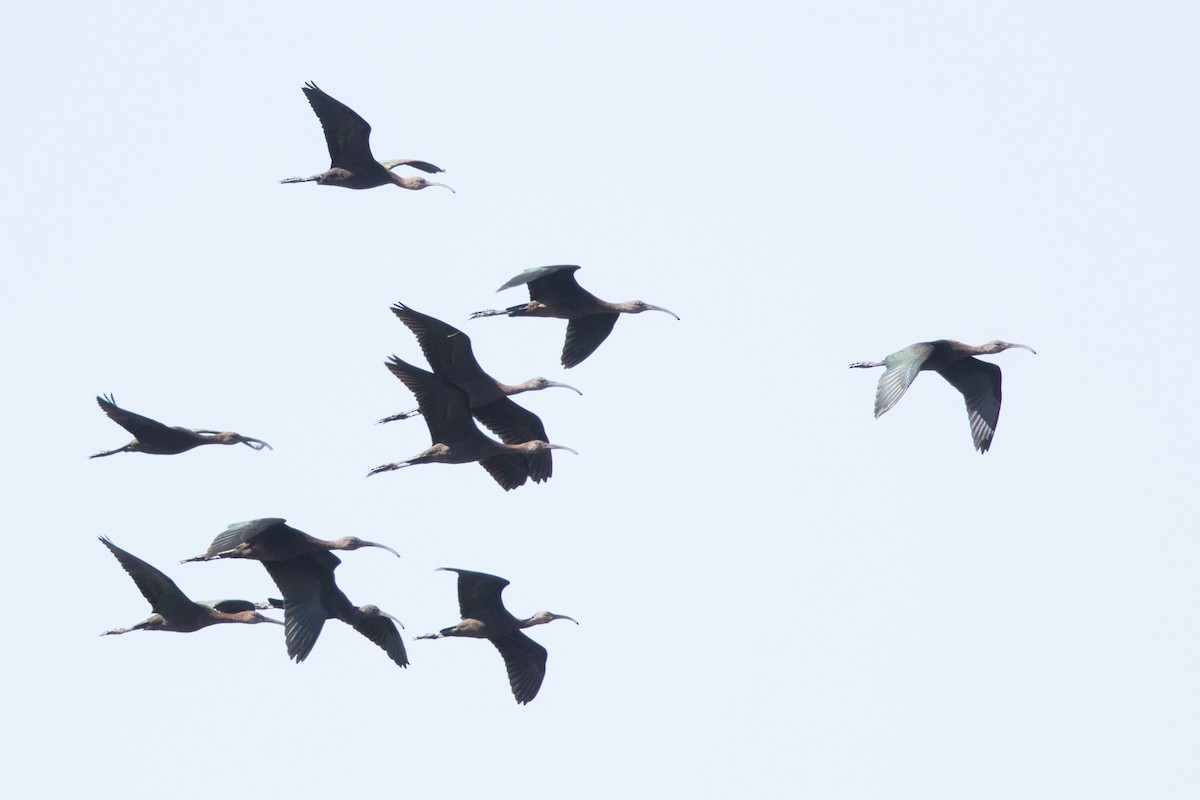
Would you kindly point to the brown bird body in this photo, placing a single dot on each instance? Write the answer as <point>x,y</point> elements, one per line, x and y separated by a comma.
<point>554,292</point>
<point>349,139</point>
<point>151,436</point>
<point>272,539</point>
<point>450,356</point>
<point>979,381</point>
<point>310,596</point>
<point>485,617</point>
<point>173,610</point>
<point>456,440</point>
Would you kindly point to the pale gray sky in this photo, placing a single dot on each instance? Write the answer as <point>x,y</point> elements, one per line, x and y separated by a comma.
<point>778,595</point>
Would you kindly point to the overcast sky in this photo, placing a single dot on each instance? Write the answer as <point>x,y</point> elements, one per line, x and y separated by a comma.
<point>778,595</point>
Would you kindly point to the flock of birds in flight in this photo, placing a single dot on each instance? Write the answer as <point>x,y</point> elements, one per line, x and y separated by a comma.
<point>451,398</point>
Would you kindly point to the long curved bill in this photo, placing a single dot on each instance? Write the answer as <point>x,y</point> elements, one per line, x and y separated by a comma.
<point>564,386</point>
<point>660,308</point>
<point>365,543</point>
<point>435,183</point>
<point>554,616</point>
<point>563,447</point>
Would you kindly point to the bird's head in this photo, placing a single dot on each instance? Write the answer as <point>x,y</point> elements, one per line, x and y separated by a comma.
<point>416,184</point>
<point>638,306</point>
<point>372,610</point>
<point>538,446</point>
<point>542,617</point>
<point>543,383</point>
<point>354,543</point>
<point>227,437</point>
<point>997,346</point>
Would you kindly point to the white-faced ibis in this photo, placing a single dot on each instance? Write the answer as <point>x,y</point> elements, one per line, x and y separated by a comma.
<point>173,611</point>
<point>485,617</point>
<point>310,596</point>
<point>456,440</point>
<point>151,436</point>
<point>979,381</point>
<point>272,539</point>
<point>448,351</point>
<point>553,292</point>
<point>349,138</point>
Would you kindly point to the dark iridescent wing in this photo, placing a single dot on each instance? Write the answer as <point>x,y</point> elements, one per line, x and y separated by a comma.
<point>230,606</point>
<point>979,382</point>
<point>509,421</point>
<point>444,406</point>
<point>556,286</point>
<point>446,348</point>
<point>526,663</point>
<point>161,592</point>
<point>346,133</point>
<point>304,581</point>
<point>241,533</point>
<point>382,631</point>
<point>479,595</point>
<point>424,166</point>
<point>517,425</point>
<point>902,368</point>
<point>557,278</point>
<point>584,335</point>
<point>143,429</point>
<point>510,470</point>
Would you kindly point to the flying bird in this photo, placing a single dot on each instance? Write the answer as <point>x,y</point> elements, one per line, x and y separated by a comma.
<point>979,381</point>
<point>272,539</point>
<point>448,351</point>
<point>349,138</point>
<point>310,596</point>
<point>151,436</point>
<point>173,611</point>
<point>456,440</point>
<point>554,292</point>
<point>485,617</point>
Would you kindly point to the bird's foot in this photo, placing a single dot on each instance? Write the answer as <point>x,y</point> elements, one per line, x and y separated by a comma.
<point>385,468</point>
<point>865,364</point>
<point>405,415</point>
<point>429,636</point>
<point>115,631</point>
<point>295,180</point>
<point>491,312</point>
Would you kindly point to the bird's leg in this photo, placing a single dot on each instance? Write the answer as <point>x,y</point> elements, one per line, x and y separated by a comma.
<point>103,453</point>
<point>116,631</point>
<point>430,636</point>
<point>299,180</point>
<point>866,364</point>
<point>531,309</point>
<point>389,467</point>
<point>395,417</point>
